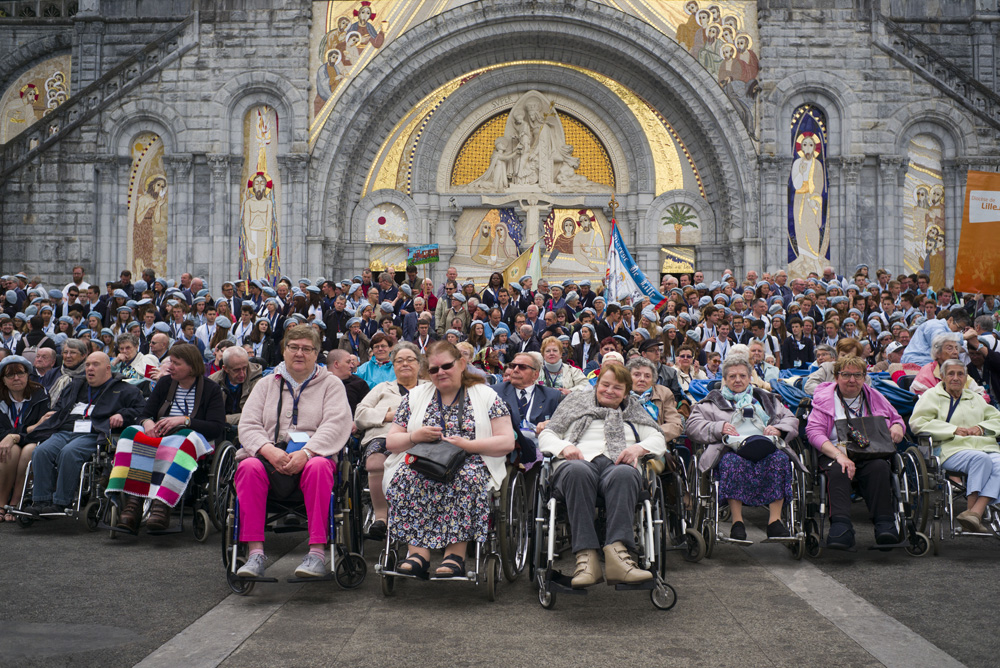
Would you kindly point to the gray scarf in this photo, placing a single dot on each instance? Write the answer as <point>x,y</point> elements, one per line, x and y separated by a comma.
<point>578,409</point>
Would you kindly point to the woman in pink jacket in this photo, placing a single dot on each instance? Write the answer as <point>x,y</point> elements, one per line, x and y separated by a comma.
<point>849,394</point>
<point>293,421</point>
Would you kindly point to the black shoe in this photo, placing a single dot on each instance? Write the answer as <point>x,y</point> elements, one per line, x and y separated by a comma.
<point>885,531</point>
<point>35,509</point>
<point>776,529</point>
<point>841,536</point>
<point>738,532</point>
<point>377,530</point>
<point>51,509</point>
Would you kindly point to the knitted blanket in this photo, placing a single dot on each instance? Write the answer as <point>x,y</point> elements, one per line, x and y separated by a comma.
<point>156,468</point>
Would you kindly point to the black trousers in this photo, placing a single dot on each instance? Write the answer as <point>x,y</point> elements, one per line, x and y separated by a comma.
<point>873,481</point>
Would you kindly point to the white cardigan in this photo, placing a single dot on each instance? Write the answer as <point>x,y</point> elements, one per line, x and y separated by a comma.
<point>481,398</point>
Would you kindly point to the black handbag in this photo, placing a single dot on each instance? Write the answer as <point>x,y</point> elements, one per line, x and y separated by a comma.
<point>864,436</point>
<point>439,461</point>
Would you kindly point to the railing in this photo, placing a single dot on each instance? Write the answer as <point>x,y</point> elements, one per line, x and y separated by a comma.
<point>90,101</point>
<point>938,70</point>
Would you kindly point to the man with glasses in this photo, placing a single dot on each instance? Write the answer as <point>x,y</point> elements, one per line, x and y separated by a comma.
<point>531,405</point>
<point>378,369</point>
<point>237,378</point>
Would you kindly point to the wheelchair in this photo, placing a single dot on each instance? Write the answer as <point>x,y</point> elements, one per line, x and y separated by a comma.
<point>90,504</point>
<point>909,501</point>
<point>551,538</point>
<point>679,503</point>
<point>503,555</point>
<point>936,491</point>
<point>347,568</point>
<point>205,495</point>
<point>709,512</point>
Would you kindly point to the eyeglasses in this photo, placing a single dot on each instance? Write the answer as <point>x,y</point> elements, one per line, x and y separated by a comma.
<point>444,367</point>
<point>522,367</point>
<point>406,360</point>
<point>685,357</point>
<point>305,350</point>
<point>15,374</point>
<point>850,376</point>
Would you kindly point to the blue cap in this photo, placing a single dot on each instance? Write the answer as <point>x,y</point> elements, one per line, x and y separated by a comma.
<point>55,294</point>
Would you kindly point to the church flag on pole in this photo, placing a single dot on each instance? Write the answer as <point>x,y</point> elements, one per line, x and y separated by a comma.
<point>527,263</point>
<point>623,277</point>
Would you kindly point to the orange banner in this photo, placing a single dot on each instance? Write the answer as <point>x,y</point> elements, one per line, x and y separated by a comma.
<point>977,268</point>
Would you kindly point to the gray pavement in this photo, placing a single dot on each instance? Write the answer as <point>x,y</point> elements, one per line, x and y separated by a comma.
<point>70,597</point>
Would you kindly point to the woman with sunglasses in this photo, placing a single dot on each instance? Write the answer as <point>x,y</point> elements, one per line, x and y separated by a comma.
<point>23,405</point>
<point>427,515</point>
<point>849,397</point>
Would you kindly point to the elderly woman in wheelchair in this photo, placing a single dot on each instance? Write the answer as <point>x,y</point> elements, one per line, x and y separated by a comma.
<point>599,438</point>
<point>964,430</point>
<point>744,428</point>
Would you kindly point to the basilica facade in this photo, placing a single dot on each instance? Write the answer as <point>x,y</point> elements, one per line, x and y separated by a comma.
<point>254,139</point>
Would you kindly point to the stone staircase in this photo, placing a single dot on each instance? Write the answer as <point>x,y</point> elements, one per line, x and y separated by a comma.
<point>98,96</point>
<point>906,49</point>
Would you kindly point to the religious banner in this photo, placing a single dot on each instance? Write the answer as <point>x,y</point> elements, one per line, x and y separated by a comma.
<point>976,268</point>
<point>923,211</point>
<point>146,232</point>
<point>808,235</point>
<point>528,263</point>
<point>623,277</point>
<point>422,254</point>
<point>261,198</point>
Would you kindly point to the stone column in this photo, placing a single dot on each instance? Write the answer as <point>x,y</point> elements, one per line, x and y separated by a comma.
<point>297,234</point>
<point>222,241</point>
<point>891,246</point>
<point>233,194</point>
<point>110,238</point>
<point>850,226</point>
<point>772,238</point>
<point>180,236</point>
<point>953,175</point>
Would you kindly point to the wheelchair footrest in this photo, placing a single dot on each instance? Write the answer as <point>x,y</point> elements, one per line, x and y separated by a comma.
<point>563,584</point>
<point>784,540</point>
<point>322,578</point>
<point>733,541</point>
<point>648,585</point>
<point>104,526</point>
<point>169,530</point>
<point>268,580</point>
<point>890,546</point>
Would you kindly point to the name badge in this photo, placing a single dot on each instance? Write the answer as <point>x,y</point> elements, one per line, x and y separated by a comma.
<point>340,335</point>
<point>81,427</point>
<point>296,441</point>
<point>79,409</point>
<point>798,363</point>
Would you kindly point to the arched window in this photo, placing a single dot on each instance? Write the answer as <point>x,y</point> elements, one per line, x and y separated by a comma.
<point>808,189</point>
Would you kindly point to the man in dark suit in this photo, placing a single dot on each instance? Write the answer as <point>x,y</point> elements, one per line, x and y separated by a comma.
<point>229,294</point>
<point>525,341</point>
<point>531,405</point>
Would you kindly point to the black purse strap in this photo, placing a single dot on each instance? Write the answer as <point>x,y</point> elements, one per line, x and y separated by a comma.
<point>281,397</point>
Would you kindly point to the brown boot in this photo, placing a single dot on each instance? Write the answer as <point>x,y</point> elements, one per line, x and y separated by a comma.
<point>620,567</point>
<point>588,569</point>
<point>131,514</point>
<point>159,517</point>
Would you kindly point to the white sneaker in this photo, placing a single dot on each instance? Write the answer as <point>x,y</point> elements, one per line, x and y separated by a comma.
<point>313,566</point>
<point>253,568</point>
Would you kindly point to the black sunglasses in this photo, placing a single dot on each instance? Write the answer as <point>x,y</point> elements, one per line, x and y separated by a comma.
<point>521,366</point>
<point>444,367</point>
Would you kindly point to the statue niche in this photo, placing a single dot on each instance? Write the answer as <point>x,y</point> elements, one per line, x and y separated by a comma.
<point>532,155</point>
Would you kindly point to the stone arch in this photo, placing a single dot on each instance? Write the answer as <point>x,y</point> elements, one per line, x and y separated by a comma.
<point>573,31</point>
<point>955,131</point>
<point>160,120</point>
<point>826,91</point>
<point>20,60</point>
<point>626,134</point>
<point>385,196</point>
<point>710,233</point>
<point>253,88</point>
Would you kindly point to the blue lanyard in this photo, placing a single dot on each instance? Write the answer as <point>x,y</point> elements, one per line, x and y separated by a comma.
<point>91,400</point>
<point>458,402</point>
<point>18,414</point>
<point>295,400</point>
<point>187,406</point>
<point>952,406</point>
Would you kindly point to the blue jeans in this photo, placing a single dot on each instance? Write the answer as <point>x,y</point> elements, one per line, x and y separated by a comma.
<point>982,470</point>
<point>56,465</point>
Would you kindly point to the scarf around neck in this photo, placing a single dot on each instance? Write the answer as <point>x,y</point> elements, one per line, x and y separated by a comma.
<point>743,399</point>
<point>578,409</point>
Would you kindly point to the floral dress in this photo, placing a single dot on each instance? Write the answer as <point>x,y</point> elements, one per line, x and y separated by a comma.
<point>432,514</point>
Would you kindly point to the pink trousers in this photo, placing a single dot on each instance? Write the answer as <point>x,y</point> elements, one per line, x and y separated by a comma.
<point>251,489</point>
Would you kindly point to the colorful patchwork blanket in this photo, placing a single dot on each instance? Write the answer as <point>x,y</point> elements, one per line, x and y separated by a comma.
<point>156,468</point>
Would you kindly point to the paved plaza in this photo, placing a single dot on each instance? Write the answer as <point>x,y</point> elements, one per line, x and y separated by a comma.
<point>80,599</point>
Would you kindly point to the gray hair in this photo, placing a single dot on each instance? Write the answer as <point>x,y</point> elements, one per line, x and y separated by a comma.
<point>77,345</point>
<point>937,343</point>
<point>735,361</point>
<point>233,351</point>
<point>403,345</point>
<point>640,361</point>
<point>950,363</point>
<point>125,337</point>
<point>827,349</point>
<point>984,322</point>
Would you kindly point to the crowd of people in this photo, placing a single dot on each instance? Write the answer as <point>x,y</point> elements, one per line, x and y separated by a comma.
<point>293,369</point>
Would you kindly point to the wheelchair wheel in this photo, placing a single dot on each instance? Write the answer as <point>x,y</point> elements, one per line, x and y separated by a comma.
<point>918,484</point>
<point>798,548</point>
<point>351,570</point>
<point>696,548</point>
<point>113,514</point>
<point>513,524</point>
<point>919,545</point>
<point>24,521</point>
<point>200,523</point>
<point>814,547</point>
<point>92,513</point>
<point>239,585</point>
<point>223,470</point>
<point>388,561</point>
<point>494,574</point>
<point>546,597</point>
<point>663,596</point>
